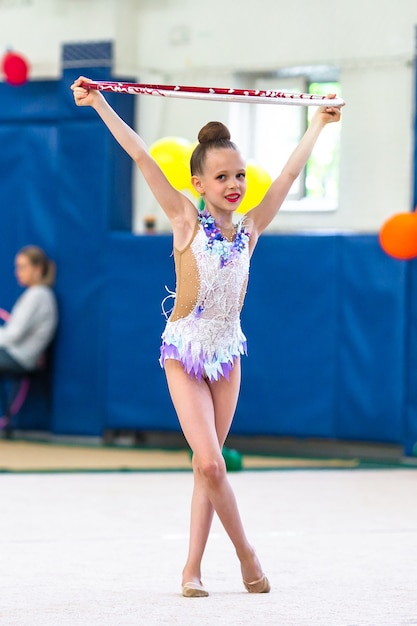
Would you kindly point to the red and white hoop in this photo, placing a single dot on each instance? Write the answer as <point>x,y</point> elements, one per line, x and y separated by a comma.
<point>252,96</point>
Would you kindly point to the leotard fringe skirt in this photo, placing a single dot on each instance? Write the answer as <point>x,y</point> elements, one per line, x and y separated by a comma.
<point>206,348</point>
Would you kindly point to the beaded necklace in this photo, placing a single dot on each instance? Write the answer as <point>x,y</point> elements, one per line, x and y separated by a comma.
<point>218,244</point>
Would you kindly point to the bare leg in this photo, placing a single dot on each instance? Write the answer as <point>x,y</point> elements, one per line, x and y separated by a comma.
<point>205,413</point>
<point>201,508</point>
<point>200,523</point>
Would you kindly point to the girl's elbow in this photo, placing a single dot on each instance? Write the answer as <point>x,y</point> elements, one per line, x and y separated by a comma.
<point>288,177</point>
<point>140,156</point>
<point>137,155</point>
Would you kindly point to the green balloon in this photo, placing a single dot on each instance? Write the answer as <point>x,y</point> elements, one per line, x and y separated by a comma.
<point>233,460</point>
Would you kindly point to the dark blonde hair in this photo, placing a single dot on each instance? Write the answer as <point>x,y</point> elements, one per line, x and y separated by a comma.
<point>213,135</point>
<point>38,258</point>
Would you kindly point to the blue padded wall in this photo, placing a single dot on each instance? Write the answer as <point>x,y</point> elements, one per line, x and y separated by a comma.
<point>137,395</point>
<point>325,318</point>
<point>410,384</point>
<point>59,192</point>
<point>371,337</point>
<point>289,319</point>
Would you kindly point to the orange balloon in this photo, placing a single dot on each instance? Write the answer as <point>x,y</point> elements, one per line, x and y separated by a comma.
<point>398,236</point>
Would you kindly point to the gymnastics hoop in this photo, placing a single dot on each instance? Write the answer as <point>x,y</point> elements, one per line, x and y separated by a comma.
<point>253,96</point>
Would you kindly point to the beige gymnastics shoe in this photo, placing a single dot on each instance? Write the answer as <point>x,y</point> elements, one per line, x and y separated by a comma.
<point>258,586</point>
<point>194,590</point>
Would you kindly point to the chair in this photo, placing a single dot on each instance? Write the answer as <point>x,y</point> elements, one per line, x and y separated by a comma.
<point>15,386</point>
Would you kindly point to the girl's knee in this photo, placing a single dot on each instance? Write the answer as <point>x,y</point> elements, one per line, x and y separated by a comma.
<point>213,470</point>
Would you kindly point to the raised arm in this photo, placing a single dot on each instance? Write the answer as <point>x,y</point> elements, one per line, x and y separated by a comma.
<point>262,215</point>
<point>177,207</point>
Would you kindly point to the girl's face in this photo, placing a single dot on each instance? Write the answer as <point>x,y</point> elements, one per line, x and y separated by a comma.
<point>26,273</point>
<point>223,182</point>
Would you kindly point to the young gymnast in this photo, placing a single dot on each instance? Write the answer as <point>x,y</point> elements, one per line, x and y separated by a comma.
<point>202,341</point>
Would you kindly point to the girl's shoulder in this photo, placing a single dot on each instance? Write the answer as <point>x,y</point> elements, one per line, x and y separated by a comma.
<point>40,290</point>
<point>39,294</point>
<point>248,228</point>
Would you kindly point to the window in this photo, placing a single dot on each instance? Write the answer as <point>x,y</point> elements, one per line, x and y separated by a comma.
<point>268,133</point>
<point>322,171</point>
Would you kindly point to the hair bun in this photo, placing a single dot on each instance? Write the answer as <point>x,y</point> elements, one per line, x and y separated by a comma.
<point>213,131</point>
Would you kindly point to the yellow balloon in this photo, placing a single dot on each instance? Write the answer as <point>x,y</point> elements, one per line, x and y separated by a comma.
<point>173,157</point>
<point>191,148</point>
<point>190,187</point>
<point>258,182</point>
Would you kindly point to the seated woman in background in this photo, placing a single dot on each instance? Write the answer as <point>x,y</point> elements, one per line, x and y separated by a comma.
<point>31,324</point>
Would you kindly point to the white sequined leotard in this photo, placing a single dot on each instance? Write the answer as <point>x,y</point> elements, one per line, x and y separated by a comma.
<point>203,331</point>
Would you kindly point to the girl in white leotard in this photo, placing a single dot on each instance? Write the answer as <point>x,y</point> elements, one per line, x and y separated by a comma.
<point>204,330</point>
<point>202,341</point>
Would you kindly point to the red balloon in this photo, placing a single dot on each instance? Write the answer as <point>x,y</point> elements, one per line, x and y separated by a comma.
<point>398,236</point>
<point>15,68</point>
